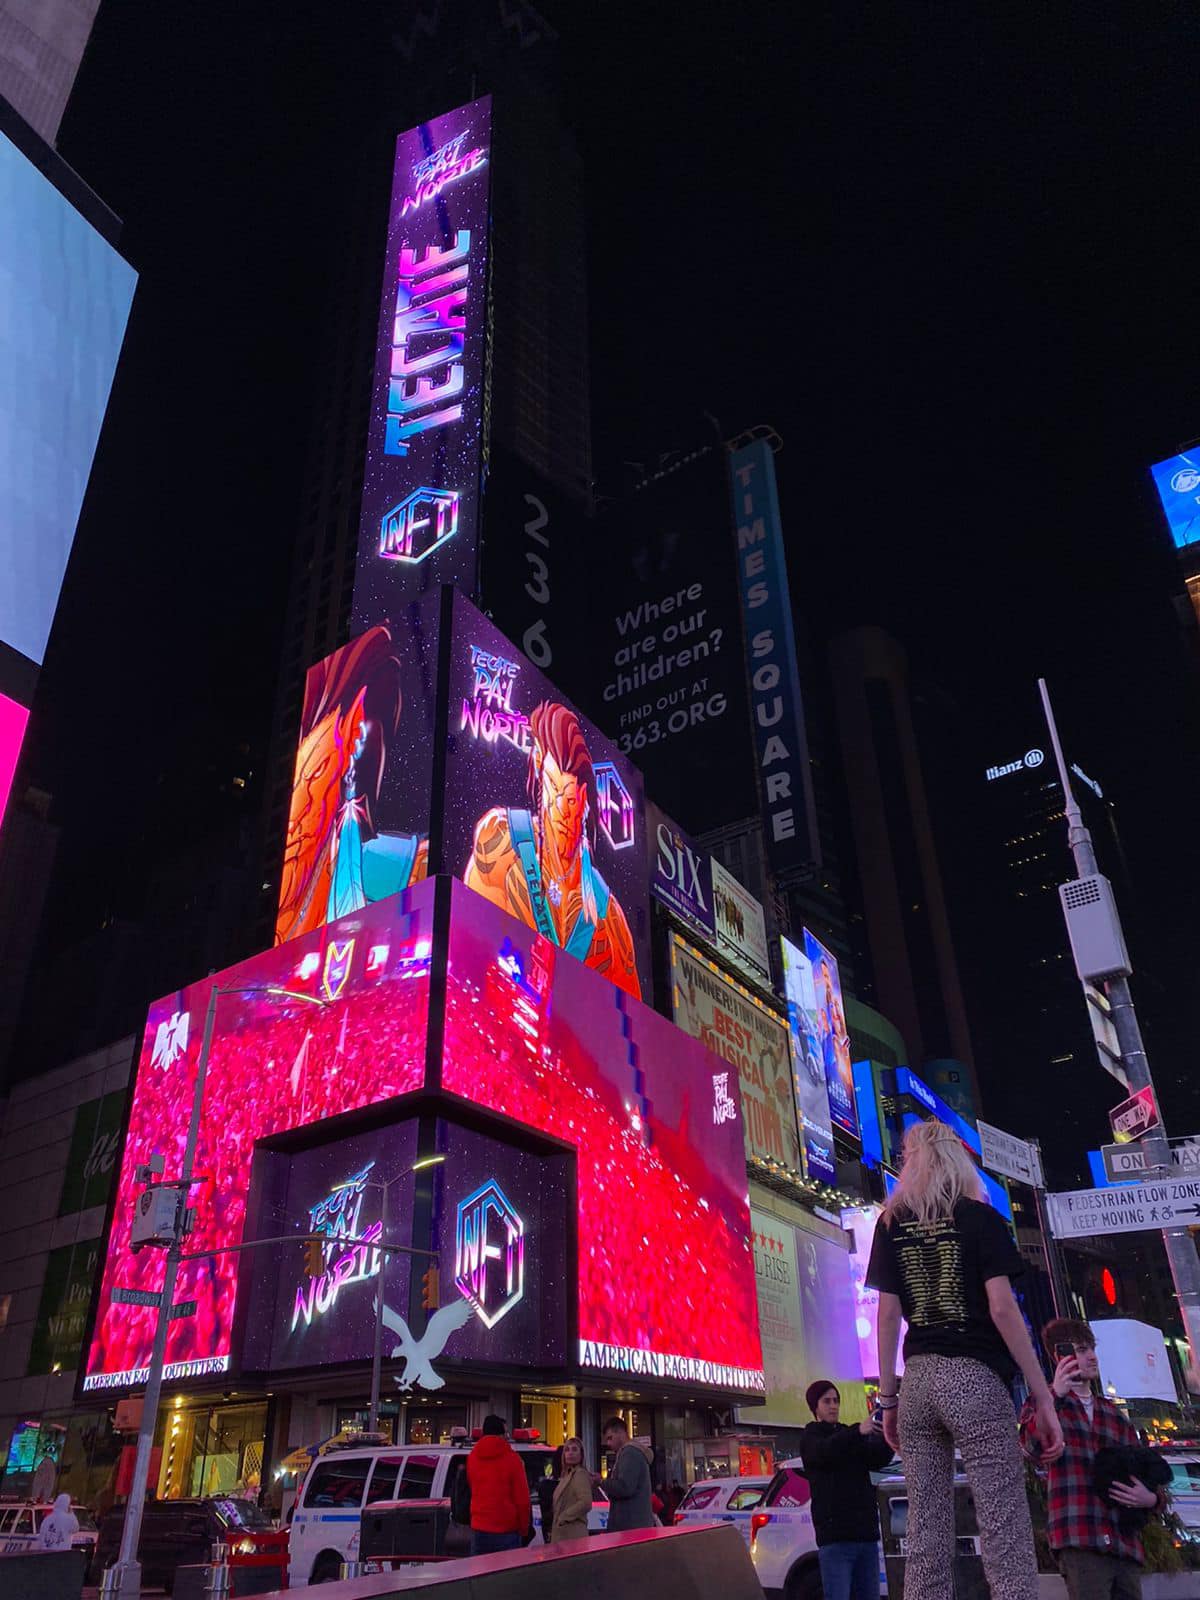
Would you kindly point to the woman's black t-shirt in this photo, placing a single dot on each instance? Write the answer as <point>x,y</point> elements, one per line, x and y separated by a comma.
<point>940,1272</point>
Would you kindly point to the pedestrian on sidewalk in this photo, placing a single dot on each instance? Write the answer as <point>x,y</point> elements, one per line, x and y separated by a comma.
<point>942,1259</point>
<point>628,1484</point>
<point>1097,1542</point>
<point>839,1460</point>
<point>500,1508</point>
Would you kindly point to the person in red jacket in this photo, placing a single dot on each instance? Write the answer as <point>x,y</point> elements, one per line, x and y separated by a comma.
<point>500,1514</point>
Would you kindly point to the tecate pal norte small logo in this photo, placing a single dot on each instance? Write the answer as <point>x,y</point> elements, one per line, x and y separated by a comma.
<point>1186,480</point>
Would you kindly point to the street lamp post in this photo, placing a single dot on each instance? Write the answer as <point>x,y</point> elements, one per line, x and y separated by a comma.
<point>124,1578</point>
<point>1181,1249</point>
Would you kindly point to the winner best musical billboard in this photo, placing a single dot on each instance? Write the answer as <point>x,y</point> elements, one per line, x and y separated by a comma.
<point>422,482</point>
<point>330,1022</point>
<point>666,1287</point>
<point>542,814</point>
<point>742,1031</point>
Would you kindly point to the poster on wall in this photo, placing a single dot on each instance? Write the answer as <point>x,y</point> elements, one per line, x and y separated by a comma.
<point>859,1221</point>
<point>422,483</point>
<point>358,822</point>
<point>656,651</point>
<point>62,1313</point>
<point>741,1030</point>
<point>680,874</point>
<point>334,1020</point>
<point>666,1274</point>
<point>91,1163</point>
<point>808,1063</point>
<point>741,925</point>
<point>1177,480</point>
<point>832,1035</point>
<point>543,816</point>
<point>806,1313</point>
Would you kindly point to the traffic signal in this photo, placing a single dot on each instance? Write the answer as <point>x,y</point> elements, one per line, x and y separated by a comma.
<point>429,1290</point>
<point>314,1258</point>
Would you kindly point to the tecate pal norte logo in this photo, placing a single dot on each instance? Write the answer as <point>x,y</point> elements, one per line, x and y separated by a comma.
<point>1031,759</point>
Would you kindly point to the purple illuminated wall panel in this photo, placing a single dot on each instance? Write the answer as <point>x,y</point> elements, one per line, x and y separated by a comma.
<point>419,522</point>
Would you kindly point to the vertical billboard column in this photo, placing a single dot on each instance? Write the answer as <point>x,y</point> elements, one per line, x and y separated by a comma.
<point>422,482</point>
<point>781,744</point>
<point>808,1064</point>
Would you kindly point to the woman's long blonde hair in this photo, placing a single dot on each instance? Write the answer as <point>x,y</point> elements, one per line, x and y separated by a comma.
<point>935,1174</point>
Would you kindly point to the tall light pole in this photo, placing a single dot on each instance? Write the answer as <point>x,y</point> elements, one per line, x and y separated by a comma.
<point>1180,1247</point>
<point>124,1577</point>
<point>377,1351</point>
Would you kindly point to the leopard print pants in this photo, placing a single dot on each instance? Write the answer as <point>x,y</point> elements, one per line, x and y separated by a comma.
<point>949,1401</point>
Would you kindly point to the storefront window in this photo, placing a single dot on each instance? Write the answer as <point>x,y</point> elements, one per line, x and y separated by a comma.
<point>553,1417</point>
<point>212,1450</point>
<point>432,1425</point>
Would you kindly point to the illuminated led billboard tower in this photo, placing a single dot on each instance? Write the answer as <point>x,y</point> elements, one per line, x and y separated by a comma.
<point>419,522</point>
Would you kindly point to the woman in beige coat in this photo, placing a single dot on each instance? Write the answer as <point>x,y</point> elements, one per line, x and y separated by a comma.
<point>572,1497</point>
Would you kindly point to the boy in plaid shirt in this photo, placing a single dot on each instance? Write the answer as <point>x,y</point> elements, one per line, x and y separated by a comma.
<point>1098,1560</point>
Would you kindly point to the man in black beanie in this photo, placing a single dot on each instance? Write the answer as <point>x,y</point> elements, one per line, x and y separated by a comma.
<point>839,1460</point>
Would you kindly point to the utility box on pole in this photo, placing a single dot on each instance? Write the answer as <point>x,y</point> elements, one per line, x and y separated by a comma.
<point>1094,927</point>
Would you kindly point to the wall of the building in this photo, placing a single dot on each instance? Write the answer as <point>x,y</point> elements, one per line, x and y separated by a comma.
<point>51,1156</point>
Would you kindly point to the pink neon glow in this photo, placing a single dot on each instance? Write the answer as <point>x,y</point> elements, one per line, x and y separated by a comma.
<point>276,1063</point>
<point>13,719</point>
<point>665,1260</point>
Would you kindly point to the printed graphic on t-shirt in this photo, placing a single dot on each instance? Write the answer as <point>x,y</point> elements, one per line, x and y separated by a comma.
<point>931,1264</point>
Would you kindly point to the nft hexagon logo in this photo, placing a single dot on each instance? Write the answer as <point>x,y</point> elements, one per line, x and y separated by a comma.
<point>418,525</point>
<point>489,1253</point>
<point>614,804</point>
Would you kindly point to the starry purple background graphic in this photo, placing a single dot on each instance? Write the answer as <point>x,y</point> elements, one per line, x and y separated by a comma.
<point>449,456</point>
<point>480,775</point>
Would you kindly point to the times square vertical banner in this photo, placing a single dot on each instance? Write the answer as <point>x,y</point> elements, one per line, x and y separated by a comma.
<point>422,480</point>
<point>781,742</point>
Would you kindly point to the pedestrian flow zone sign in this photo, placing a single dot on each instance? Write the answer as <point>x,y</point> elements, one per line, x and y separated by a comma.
<point>1127,1208</point>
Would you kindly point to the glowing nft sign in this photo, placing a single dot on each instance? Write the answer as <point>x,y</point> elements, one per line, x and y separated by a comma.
<point>418,524</point>
<point>338,1215</point>
<point>489,1253</point>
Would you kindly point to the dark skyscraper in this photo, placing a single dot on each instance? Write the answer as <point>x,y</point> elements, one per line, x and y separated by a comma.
<point>908,932</point>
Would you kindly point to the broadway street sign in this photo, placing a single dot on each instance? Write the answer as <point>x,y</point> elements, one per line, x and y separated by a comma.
<point>1130,1208</point>
<point>136,1297</point>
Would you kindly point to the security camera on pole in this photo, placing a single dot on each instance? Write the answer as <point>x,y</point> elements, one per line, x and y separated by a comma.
<point>1098,947</point>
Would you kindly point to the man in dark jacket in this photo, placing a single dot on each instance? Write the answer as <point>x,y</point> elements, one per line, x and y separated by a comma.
<point>839,1460</point>
<point>628,1484</point>
<point>500,1514</point>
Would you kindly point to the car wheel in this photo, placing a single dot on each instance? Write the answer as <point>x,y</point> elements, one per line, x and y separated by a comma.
<point>327,1568</point>
<point>805,1584</point>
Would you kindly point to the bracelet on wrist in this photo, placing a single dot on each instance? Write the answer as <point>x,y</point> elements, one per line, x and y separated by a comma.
<point>887,1402</point>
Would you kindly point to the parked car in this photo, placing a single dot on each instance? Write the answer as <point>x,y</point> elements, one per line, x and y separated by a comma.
<point>21,1522</point>
<point>723,1500</point>
<point>783,1546</point>
<point>1184,1487</point>
<point>182,1533</point>
<point>327,1520</point>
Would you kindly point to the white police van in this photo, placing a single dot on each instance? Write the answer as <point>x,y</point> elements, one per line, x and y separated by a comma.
<point>327,1518</point>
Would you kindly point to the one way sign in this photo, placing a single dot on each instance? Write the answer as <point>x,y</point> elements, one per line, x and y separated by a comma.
<point>1127,1208</point>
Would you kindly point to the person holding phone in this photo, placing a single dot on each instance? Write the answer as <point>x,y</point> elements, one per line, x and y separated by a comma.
<point>942,1259</point>
<point>839,1459</point>
<point>1099,1559</point>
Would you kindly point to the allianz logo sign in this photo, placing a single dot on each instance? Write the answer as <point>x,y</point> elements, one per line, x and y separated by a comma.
<point>1030,760</point>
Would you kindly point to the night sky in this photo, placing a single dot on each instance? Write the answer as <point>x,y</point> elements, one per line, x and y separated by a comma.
<point>950,256</point>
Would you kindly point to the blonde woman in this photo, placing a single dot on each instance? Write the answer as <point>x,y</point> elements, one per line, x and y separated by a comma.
<point>572,1497</point>
<point>942,1259</point>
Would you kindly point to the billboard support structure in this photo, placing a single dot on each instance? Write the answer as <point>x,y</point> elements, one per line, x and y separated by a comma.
<point>1181,1251</point>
